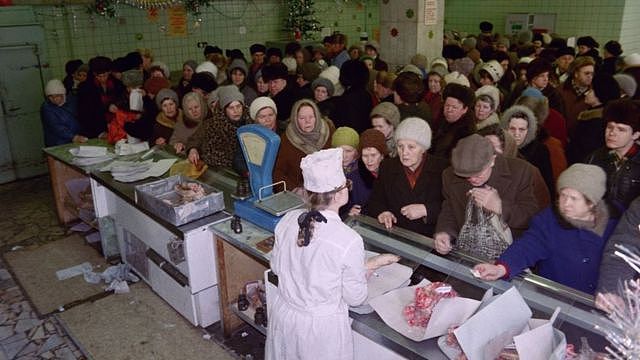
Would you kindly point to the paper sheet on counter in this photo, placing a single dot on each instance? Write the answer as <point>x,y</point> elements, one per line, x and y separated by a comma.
<point>448,312</point>
<point>157,169</point>
<point>387,278</point>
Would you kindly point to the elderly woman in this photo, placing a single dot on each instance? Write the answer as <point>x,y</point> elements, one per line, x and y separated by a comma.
<point>58,117</point>
<point>184,84</point>
<point>385,117</point>
<point>486,106</point>
<point>522,124</point>
<point>170,114</point>
<point>564,242</point>
<point>433,96</point>
<point>263,111</point>
<point>372,149</point>
<point>322,89</point>
<point>408,190</point>
<point>195,111</point>
<point>459,120</point>
<point>215,141</point>
<point>308,131</point>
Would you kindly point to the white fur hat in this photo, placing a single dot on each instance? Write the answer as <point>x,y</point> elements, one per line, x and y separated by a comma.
<point>492,92</point>
<point>494,69</point>
<point>457,78</point>
<point>55,87</point>
<point>322,170</point>
<point>209,67</point>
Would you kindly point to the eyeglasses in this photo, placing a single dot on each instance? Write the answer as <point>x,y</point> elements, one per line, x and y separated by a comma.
<point>347,185</point>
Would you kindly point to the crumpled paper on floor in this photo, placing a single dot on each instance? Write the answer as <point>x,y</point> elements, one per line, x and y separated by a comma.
<point>115,276</point>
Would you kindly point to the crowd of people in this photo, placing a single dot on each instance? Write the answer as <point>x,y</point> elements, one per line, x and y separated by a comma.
<point>540,136</point>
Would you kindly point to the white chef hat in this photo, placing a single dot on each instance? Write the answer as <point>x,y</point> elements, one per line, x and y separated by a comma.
<point>322,170</point>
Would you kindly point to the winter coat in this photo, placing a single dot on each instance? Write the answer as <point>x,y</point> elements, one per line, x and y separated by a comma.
<point>392,191</point>
<point>556,126</point>
<point>284,101</point>
<point>559,251</point>
<point>143,127</point>
<point>511,177</point>
<point>588,135</point>
<point>352,109</point>
<point>163,127</point>
<point>608,66</point>
<point>556,154</point>
<point>612,268</point>
<point>573,105</point>
<point>420,110</point>
<point>361,186</point>
<point>448,134</point>
<point>59,123</point>
<point>623,185</point>
<point>93,105</point>
<point>435,105</point>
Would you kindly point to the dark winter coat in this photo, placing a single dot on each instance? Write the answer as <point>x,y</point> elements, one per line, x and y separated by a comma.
<point>589,135</point>
<point>93,105</point>
<point>448,134</point>
<point>623,185</point>
<point>59,123</point>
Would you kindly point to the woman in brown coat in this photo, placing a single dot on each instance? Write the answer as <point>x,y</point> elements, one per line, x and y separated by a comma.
<point>306,133</point>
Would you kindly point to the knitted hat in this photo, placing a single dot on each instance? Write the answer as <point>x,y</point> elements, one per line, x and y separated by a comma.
<point>275,71</point>
<point>154,85</point>
<point>191,63</point>
<point>240,65</point>
<point>229,94</point>
<point>457,78</point>
<point>373,45</point>
<point>623,111</point>
<point>469,43</point>
<point>345,136</point>
<point>494,69</point>
<point>416,129</point>
<point>440,66</point>
<point>590,180</point>
<point>261,103</point>
<point>587,41</point>
<point>100,64</point>
<point>322,171</point>
<point>613,47</point>
<point>291,64</point>
<point>162,67</point>
<point>132,78</point>
<point>409,87</point>
<point>372,138</point>
<point>411,68</point>
<point>460,92</point>
<point>471,155</point>
<point>55,87</point>
<point>165,94</point>
<point>256,48</point>
<point>209,67</point>
<point>387,110</point>
<point>632,60</point>
<point>566,50</point>
<point>333,74</point>
<point>537,67</point>
<point>492,92</point>
<point>309,71</point>
<point>420,61</point>
<point>605,87</point>
<point>71,66</point>
<point>532,92</point>
<point>627,83</point>
<point>204,81</point>
<point>326,83</point>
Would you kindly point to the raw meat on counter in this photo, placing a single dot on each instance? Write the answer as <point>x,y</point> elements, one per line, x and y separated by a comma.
<point>419,312</point>
<point>188,192</point>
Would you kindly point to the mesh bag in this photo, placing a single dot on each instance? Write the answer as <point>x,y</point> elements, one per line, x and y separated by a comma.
<point>480,236</point>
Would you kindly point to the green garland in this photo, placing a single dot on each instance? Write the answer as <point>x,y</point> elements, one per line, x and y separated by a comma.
<point>108,8</point>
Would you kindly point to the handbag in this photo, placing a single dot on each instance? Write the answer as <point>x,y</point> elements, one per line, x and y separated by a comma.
<point>483,234</point>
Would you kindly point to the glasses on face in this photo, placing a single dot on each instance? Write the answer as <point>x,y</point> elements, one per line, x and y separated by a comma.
<point>347,185</point>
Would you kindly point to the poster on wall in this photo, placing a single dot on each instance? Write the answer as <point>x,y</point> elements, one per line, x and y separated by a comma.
<point>430,12</point>
<point>177,19</point>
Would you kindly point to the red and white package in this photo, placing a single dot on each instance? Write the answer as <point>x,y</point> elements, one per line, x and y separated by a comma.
<point>418,312</point>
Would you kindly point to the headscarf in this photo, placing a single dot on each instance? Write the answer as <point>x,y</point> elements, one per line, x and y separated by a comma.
<point>312,141</point>
<point>194,96</point>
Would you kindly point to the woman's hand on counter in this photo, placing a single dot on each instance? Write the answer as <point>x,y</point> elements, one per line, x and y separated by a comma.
<point>193,156</point>
<point>489,272</point>
<point>442,242</point>
<point>387,219</point>
<point>378,261</point>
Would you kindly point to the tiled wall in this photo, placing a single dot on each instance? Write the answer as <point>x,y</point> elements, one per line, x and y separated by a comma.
<point>630,32</point>
<point>72,33</point>
<point>598,18</point>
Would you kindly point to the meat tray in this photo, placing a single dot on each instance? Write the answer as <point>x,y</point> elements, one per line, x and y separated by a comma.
<point>160,196</point>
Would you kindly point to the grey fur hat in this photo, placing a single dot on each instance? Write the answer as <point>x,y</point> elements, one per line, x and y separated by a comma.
<point>524,112</point>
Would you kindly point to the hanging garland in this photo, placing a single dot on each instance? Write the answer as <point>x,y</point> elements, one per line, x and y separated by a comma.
<point>108,8</point>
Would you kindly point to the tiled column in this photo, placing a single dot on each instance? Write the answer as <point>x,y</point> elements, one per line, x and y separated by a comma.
<point>405,31</point>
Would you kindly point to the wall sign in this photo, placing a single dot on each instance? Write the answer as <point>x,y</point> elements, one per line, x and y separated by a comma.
<point>430,12</point>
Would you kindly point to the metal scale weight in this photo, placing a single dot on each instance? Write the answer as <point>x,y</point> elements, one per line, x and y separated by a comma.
<point>263,208</point>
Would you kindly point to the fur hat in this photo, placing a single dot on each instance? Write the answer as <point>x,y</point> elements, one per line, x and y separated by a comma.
<point>589,180</point>
<point>537,67</point>
<point>374,139</point>
<point>460,92</point>
<point>261,103</point>
<point>256,48</point>
<point>627,83</point>
<point>345,136</point>
<point>209,67</point>
<point>154,85</point>
<point>623,111</point>
<point>204,81</point>
<point>409,87</point>
<point>71,66</point>
<point>100,64</point>
<point>486,27</point>
<point>416,129</point>
<point>471,155</point>
<point>55,87</point>
<point>212,50</point>
<point>322,171</point>
<point>132,78</point>
<point>525,113</point>
<point>229,94</point>
<point>326,83</point>
<point>566,50</point>
<point>354,73</point>
<point>494,69</point>
<point>274,71</point>
<point>605,87</point>
<point>457,78</point>
<point>452,52</point>
<point>274,52</point>
<point>492,92</point>
<point>613,47</point>
<point>587,41</point>
<point>165,94</point>
<point>234,54</point>
<point>387,110</point>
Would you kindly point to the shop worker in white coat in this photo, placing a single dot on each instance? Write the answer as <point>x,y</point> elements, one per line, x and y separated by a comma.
<point>321,268</point>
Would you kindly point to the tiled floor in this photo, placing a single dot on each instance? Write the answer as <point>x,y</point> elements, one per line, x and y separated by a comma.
<point>28,218</point>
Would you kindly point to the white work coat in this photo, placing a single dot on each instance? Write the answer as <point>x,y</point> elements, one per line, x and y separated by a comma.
<point>317,283</point>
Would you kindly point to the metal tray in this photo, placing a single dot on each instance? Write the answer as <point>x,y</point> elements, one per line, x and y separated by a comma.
<point>153,196</point>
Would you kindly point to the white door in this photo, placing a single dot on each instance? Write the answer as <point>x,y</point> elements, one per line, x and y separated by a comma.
<point>21,95</point>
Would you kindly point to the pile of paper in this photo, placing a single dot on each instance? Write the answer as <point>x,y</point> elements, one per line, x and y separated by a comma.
<point>130,171</point>
<point>124,147</point>
<point>85,155</point>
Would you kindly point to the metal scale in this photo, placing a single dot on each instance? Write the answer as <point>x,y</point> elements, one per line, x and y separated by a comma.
<point>263,208</point>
